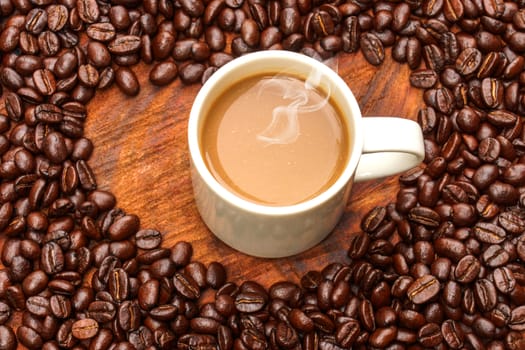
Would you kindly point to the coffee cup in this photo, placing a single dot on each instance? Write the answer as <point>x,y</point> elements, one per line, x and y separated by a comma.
<point>239,164</point>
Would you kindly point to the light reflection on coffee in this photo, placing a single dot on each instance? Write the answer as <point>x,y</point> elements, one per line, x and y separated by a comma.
<point>275,140</point>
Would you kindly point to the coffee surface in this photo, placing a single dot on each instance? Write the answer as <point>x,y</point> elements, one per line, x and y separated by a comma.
<point>275,140</point>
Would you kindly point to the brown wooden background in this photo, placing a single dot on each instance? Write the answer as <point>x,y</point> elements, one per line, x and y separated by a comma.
<point>141,155</point>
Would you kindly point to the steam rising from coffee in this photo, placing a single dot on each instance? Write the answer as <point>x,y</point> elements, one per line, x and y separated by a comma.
<point>284,127</point>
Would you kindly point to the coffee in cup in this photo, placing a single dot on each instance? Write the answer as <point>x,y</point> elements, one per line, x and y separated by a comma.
<point>275,139</point>
<point>260,115</point>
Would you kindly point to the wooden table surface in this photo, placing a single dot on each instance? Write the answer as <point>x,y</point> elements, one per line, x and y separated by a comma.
<point>141,155</point>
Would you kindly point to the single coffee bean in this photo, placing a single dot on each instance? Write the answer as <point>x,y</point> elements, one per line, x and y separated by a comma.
<point>511,222</point>
<point>504,279</point>
<point>44,81</point>
<point>423,289</point>
<point>249,302</point>
<point>38,305</point>
<point>85,328</point>
<point>425,216</point>
<point>373,49</point>
<point>101,311</point>
<point>163,73</point>
<point>118,284</point>
<point>489,233</point>
<point>8,339</point>
<point>127,81</point>
<point>485,294</point>
<point>358,245</point>
<point>161,48</point>
<point>52,258</point>
<point>60,306</point>
<point>29,337</point>
<point>423,78</point>
<point>383,337</point>
<point>88,11</point>
<point>250,33</point>
<point>467,269</point>
<point>430,335</point>
<point>452,334</point>
<point>191,73</point>
<point>148,294</point>
<point>124,227</point>
<point>450,248</point>
<point>494,256</point>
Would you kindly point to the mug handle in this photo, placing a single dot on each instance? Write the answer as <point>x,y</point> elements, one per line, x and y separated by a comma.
<point>391,145</point>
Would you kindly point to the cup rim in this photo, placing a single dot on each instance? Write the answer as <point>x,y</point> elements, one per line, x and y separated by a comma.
<point>271,210</point>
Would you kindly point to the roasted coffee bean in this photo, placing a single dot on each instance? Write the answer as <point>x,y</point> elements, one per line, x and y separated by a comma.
<point>250,33</point>
<point>85,328</point>
<point>452,334</point>
<point>191,73</point>
<point>8,339</point>
<point>57,16</point>
<point>101,31</point>
<point>495,256</point>
<point>34,283</point>
<point>128,315</point>
<point>29,337</point>
<point>118,284</point>
<point>64,335</point>
<point>20,268</point>
<point>101,311</point>
<point>49,43</point>
<point>181,253</point>
<point>152,255</point>
<point>215,275</point>
<point>127,81</point>
<point>467,269</point>
<point>517,319</point>
<point>430,335</point>
<point>424,216</point>
<point>423,289</point>
<point>366,315</point>
<point>423,79</point>
<point>163,73</point>
<point>358,245</point>
<point>502,193</point>
<point>88,11</point>
<point>44,81</point>
<point>38,306</point>
<point>124,227</point>
<point>99,56</point>
<point>249,302</point>
<point>511,222</point>
<point>162,45</point>
<point>468,61</point>
<point>373,49</point>
<point>60,306</point>
<point>61,286</point>
<point>373,219</point>
<point>13,105</point>
<point>10,37</point>
<point>148,239</point>
<point>88,75</point>
<point>52,258</point>
<point>489,233</point>
<point>36,21</point>
<point>504,279</point>
<point>485,294</point>
<point>124,45</point>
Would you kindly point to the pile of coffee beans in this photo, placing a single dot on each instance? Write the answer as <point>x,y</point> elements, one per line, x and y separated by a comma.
<point>442,267</point>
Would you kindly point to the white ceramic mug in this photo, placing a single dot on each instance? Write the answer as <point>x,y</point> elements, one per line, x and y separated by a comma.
<point>381,146</point>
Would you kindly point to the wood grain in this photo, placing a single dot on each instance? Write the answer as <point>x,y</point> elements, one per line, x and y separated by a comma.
<point>141,155</point>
